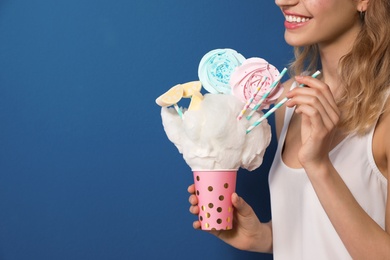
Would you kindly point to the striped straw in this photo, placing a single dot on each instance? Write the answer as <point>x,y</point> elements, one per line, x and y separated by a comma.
<point>278,105</point>
<point>178,110</point>
<point>249,101</point>
<point>272,87</point>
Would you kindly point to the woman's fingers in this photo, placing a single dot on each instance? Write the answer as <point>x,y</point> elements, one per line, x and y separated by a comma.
<point>193,200</point>
<point>318,97</point>
<point>194,209</point>
<point>191,189</point>
<point>316,84</point>
<point>314,109</point>
<point>196,224</point>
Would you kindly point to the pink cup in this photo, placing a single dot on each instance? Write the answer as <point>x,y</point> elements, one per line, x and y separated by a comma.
<point>214,189</point>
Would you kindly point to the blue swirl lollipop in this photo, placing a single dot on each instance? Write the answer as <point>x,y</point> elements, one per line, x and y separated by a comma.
<point>216,67</point>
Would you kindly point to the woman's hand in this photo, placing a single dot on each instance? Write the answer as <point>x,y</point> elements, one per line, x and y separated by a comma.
<point>248,232</point>
<point>319,118</point>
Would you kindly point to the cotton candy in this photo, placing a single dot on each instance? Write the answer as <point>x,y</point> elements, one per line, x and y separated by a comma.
<point>212,138</point>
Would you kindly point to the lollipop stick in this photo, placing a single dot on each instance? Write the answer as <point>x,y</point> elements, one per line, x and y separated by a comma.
<point>249,101</point>
<point>178,110</point>
<point>278,105</point>
<point>272,87</point>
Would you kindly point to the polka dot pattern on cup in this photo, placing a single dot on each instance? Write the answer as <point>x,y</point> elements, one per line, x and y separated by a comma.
<point>216,210</point>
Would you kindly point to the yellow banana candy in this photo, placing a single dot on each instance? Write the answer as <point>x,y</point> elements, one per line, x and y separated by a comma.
<point>192,90</point>
<point>196,99</point>
<point>191,87</point>
<point>171,97</point>
<point>186,90</point>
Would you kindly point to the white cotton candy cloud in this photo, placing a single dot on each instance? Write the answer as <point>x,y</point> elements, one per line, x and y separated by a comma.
<point>212,137</point>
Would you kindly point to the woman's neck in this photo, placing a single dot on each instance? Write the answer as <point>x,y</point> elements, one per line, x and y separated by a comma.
<point>331,54</point>
<point>331,77</point>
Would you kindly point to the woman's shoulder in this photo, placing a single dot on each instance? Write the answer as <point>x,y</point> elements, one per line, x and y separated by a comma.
<point>381,141</point>
<point>279,113</point>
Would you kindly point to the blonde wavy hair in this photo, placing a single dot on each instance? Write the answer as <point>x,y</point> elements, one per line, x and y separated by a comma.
<point>365,70</point>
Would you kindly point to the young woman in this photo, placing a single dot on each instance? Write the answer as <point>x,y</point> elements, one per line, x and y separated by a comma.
<point>330,197</point>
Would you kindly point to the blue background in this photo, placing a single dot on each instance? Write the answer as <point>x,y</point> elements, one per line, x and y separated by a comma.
<point>86,170</point>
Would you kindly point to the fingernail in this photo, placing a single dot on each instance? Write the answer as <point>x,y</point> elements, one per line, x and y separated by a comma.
<point>293,85</point>
<point>236,197</point>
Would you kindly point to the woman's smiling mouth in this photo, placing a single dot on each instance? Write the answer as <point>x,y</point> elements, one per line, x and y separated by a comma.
<point>296,19</point>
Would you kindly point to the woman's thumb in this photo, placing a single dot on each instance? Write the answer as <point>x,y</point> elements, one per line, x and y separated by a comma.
<point>241,206</point>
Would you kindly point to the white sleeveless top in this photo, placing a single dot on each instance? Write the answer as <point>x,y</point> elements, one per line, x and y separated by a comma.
<point>301,228</point>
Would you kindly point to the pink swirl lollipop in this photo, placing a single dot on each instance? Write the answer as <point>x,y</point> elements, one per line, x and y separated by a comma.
<point>246,78</point>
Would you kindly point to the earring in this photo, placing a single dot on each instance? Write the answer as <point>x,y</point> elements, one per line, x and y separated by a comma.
<point>362,14</point>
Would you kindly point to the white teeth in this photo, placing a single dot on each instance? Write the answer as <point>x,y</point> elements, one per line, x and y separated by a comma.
<point>296,19</point>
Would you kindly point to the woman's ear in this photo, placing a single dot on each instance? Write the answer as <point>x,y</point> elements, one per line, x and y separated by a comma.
<point>362,5</point>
